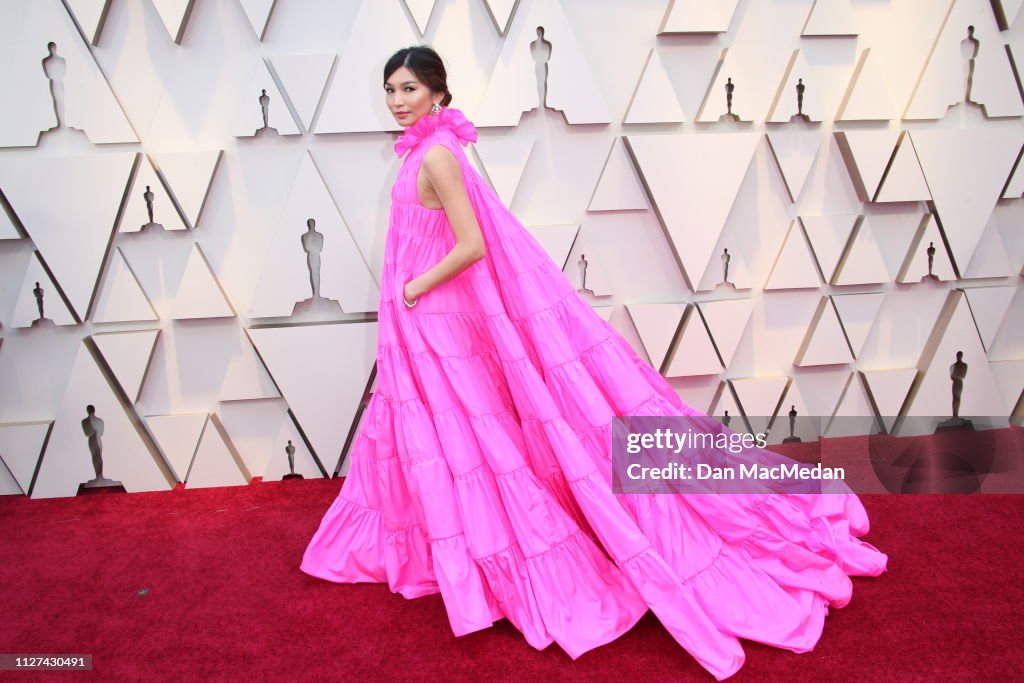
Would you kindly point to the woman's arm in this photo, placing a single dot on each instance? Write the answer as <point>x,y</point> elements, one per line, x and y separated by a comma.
<point>444,176</point>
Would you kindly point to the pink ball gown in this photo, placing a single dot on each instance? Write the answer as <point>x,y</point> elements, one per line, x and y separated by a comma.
<point>481,466</point>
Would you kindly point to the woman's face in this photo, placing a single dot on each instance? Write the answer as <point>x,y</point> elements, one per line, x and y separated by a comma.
<point>408,98</point>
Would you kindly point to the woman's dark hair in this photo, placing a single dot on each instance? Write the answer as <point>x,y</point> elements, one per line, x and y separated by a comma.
<point>425,64</point>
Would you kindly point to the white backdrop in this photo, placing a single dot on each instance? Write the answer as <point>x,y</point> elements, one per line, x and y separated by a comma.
<point>185,340</point>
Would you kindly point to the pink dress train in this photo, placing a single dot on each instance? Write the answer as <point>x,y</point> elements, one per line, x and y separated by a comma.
<point>481,468</point>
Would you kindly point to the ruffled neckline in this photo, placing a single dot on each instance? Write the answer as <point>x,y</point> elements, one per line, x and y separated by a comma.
<point>448,118</point>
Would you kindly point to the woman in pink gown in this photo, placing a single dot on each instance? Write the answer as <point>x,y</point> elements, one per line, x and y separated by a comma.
<point>481,466</point>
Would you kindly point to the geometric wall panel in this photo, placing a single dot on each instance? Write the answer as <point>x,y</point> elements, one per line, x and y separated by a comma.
<point>89,15</point>
<point>7,229</point>
<point>854,415</point>
<point>198,294</point>
<point>828,236</point>
<point>1009,375</point>
<point>355,98</point>
<point>619,188</point>
<point>867,98</point>
<point>68,461</point>
<point>915,266</point>
<point>857,313</point>
<point>1006,12</point>
<point>285,279</point>
<point>867,154</point>
<point>826,343</point>
<point>693,181</point>
<point>571,88</point>
<point>695,353</point>
<point>966,170</point>
<point>128,355</point>
<point>188,176</point>
<point>304,78</point>
<point>830,18</point>
<point>249,118</point>
<point>277,467</point>
<point>177,436</point>
<point>716,101</point>
<point>500,12</point>
<point>258,13</point>
<point>794,151</point>
<point>904,181</point>
<point>322,386</point>
<point>253,427</point>
<point>862,263</point>
<point>21,446</point>
<point>504,160</point>
<point>216,462</point>
<point>27,310</point>
<point>136,211</point>
<point>944,81</point>
<point>420,10</point>
<point>991,256</point>
<point>727,321</point>
<point>174,14</point>
<point>121,298</point>
<point>889,389</point>
<point>71,223</point>
<point>816,103</point>
<point>988,307</point>
<point>654,100</point>
<point>656,324</point>
<point>794,265</point>
<point>697,16</point>
<point>583,269</point>
<point>26,29</point>
<point>759,397</point>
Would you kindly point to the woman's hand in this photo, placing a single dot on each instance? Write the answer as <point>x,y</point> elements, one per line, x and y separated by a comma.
<point>411,292</point>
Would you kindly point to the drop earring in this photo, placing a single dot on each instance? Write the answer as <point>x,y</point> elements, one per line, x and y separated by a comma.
<point>436,109</point>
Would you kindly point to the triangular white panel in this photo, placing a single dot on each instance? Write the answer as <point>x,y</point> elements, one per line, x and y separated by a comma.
<point>1014,187</point>
<point>693,180</point>
<point>136,211</point>
<point>7,229</point>
<point>420,10</point>
<point>981,394</point>
<point>178,437</point>
<point>216,463</point>
<point>889,389</point>
<point>759,397</point>
<point>71,233</point>
<point>249,118</point>
<point>128,355</point>
<point>944,81</point>
<point>820,390</point>
<point>1009,9</point>
<point>794,266</point>
<point>586,272</point>
<point>199,295</point>
<point>727,320</point>
<point>26,310</point>
<point>863,263</point>
<point>121,299</point>
<point>322,386</point>
<point>695,354</point>
<point>854,416</point>
<point>828,236</point>
<point>806,424</point>
<point>557,240</point>
<point>188,175</point>
<point>355,100</point>
<point>501,12</point>
<point>654,100</point>
<point>344,274</point>
<point>916,265</point>
<point>572,87</point>
<point>174,15</point>
<point>21,445</point>
<point>258,13</point>
<point>794,151</point>
<point>990,257</point>
<point>966,170</point>
<point>857,313</point>
<point>698,16</point>
<point>1009,376</point>
<point>867,98</point>
<point>605,312</point>
<point>89,15</point>
<point>26,29</point>
<point>988,307</point>
<point>656,324</point>
<point>867,154</point>
<point>831,18</point>
<point>895,229</point>
<point>619,188</point>
<point>716,100</point>
<point>304,78</point>
<point>503,160</point>
<point>826,343</point>
<point>245,375</point>
<point>819,100</point>
<point>904,181</point>
<point>725,402</point>
<point>68,462</point>
<point>254,428</point>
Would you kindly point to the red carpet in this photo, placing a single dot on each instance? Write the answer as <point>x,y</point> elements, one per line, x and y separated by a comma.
<point>226,600</point>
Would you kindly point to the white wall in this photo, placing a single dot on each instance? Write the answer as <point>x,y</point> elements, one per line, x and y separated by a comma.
<point>799,205</point>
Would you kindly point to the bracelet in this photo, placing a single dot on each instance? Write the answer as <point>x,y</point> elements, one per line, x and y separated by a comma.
<point>410,305</point>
